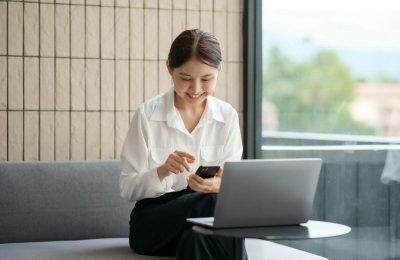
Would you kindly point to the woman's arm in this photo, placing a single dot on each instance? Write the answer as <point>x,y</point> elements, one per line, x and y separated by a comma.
<point>137,181</point>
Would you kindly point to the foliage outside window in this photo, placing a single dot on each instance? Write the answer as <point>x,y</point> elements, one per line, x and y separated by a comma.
<point>323,74</point>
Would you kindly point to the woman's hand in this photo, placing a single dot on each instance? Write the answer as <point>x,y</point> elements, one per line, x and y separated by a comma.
<point>209,185</point>
<point>177,162</point>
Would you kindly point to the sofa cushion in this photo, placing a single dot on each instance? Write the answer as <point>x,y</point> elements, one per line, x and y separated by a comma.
<point>96,249</point>
<point>118,248</point>
<point>45,201</point>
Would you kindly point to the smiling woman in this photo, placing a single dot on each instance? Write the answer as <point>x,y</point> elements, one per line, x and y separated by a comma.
<point>170,136</point>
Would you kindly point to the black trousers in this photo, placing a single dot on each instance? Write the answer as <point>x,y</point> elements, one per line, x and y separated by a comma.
<point>158,227</point>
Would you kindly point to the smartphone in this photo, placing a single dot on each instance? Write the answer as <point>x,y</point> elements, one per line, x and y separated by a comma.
<point>207,171</point>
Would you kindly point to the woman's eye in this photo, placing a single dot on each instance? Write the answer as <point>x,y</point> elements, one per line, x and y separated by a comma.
<point>185,79</point>
<point>205,80</point>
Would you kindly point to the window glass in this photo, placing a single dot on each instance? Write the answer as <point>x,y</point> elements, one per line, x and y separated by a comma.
<point>331,89</point>
<point>331,66</point>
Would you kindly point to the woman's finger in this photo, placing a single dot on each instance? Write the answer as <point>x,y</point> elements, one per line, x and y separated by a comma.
<point>185,154</point>
<point>180,161</point>
<point>202,185</point>
<point>220,172</point>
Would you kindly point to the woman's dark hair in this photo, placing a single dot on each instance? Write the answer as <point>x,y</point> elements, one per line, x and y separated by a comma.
<point>198,44</point>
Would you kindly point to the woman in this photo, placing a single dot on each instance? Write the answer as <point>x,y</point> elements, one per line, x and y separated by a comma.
<point>169,137</point>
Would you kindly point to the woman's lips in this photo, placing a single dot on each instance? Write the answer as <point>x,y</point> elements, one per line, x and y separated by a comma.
<point>195,96</point>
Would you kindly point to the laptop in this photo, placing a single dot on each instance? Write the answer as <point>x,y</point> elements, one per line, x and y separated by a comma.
<point>266,192</point>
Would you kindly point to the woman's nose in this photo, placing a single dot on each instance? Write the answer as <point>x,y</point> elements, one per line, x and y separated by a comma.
<point>196,86</point>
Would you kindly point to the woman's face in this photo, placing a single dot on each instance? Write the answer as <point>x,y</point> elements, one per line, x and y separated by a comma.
<point>193,81</point>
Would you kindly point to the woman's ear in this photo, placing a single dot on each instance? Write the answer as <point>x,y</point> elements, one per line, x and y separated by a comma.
<point>169,68</point>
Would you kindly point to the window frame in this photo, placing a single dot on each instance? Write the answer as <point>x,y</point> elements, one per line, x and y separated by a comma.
<point>252,79</point>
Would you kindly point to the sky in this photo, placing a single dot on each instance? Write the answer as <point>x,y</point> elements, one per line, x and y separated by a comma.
<point>363,25</point>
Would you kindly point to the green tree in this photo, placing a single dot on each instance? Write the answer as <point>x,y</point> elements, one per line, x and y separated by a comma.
<point>312,96</point>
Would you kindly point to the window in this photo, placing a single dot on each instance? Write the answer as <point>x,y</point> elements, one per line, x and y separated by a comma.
<point>331,67</point>
<point>323,80</point>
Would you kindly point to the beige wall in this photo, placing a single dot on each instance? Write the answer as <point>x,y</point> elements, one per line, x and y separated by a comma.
<point>72,73</point>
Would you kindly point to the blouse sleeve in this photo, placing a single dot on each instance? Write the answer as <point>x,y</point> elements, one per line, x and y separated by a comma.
<point>137,181</point>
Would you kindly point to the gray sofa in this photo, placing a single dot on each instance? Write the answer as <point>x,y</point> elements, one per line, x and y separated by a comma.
<point>63,210</point>
<point>73,210</point>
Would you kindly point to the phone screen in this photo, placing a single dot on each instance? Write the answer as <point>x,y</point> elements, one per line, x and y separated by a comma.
<point>207,171</point>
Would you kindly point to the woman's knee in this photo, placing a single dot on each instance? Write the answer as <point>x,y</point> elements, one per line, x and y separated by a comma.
<point>203,206</point>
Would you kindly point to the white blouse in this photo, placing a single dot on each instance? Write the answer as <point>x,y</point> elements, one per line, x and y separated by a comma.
<point>157,129</point>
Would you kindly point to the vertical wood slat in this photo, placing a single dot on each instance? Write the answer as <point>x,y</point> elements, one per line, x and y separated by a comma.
<point>206,5</point>
<point>3,83</point>
<point>233,37</point>
<point>179,4</point>
<point>178,22</point>
<point>3,135</point>
<point>62,84</point>
<point>220,31</point>
<point>47,136</point>
<point>62,136</point>
<point>47,84</point>
<point>31,136</point>
<point>77,84</point>
<point>122,85</point>
<point>92,44</point>
<point>206,21</point>
<point>193,5</point>
<point>194,21</point>
<point>164,79</point>
<point>15,83</point>
<point>107,135</point>
<point>107,85</point>
<point>77,135</point>
<point>136,3</point>
<point>122,3</point>
<point>136,34</point>
<point>233,82</point>
<point>220,5</point>
<point>92,135</point>
<point>3,28</point>
<point>62,30</point>
<point>122,33</point>
<point>31,29</point>
<point>150,79</point>
<point>15,28</point>
<point>92,85</point>
<point>150,3</point>
<point>221,88</point>
<point>77,31</point>
<point>136,83</point>
<point>165,4</point>
<point>31,83</point>
<point>164,33</point>
<point>107,33</point>
<point>15,135</point>
<point>150,34</point>
<point>47,30</point>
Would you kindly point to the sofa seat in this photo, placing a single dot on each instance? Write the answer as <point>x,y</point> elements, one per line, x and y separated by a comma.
<point>118,248</point>
<point>96,249</point>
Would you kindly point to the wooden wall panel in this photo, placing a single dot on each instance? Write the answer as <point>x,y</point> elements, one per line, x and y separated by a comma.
<point>73,72</point>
